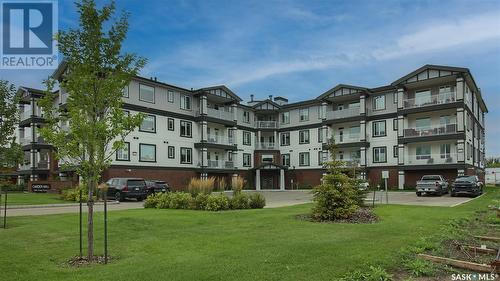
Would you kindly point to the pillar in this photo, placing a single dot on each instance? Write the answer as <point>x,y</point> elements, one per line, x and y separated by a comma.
<point>204,157</point>
<point>460,89</point>
<point>362,130</point>
<point>460,151</point>
<point>276,139</point>
<point>233,179</point>
<point>400,96</point>
<point>324,131</point>
<point>362,160</point>
<point>362,104</point>
<point>401,154</point>
<point>460,119</point>
<point>257,179</point>
<point>401,126</point>
<point>257,143</point>
<point>234,108</point>
<point>401,179</point>
<point>20,180</point>
<point>324,106</point>
<point>282,179</point>
<point>203,105</point>
<point>235,159</point>
<point>204,131</point>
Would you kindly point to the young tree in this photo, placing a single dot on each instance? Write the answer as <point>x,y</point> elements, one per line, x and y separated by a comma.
<point>338,195</point>
<point>10,151</point>
<point>96,74</point>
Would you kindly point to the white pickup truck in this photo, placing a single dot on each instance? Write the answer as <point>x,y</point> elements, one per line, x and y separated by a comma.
<point>432,184</point>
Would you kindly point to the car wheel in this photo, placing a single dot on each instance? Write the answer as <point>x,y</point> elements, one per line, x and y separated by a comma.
<point>419,194</point>
<point>118,196</point>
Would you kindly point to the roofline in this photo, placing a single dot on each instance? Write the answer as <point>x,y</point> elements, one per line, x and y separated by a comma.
<point>231,93</point>
<point>338,86</point>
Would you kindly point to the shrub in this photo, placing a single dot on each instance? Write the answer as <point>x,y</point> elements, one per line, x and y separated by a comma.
<point>200,201</point>
<point>73,194</point>
<point>152,200</point>
<point>180,200</point>
<point>237,185</point>
<point>240,201</point>
<point>221,184</point>
<point>373,273</point>
<point>8,186</point>
<point>420,268</point>
<point>217,202</point>
<point>164,200</point>
<point>257,201</point>
<point>197,186</point>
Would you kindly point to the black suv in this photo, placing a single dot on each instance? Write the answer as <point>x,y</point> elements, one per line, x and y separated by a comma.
<point>468,185</point>
<point>156,186</point>
<point>121,188</point>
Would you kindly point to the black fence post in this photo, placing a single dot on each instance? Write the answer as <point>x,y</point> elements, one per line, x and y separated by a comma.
<point>5,211</point>
<point>81,241</point>
<point>105,227</point>
<point>1,203</point>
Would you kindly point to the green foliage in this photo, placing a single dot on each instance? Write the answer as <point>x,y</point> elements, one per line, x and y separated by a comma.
<point>152,200</point>
<point>73,194</point>
<point>11,153</point>
<point>217,202</point>
<point>420,268</point>
<point>7,186</point>
<point>200,201</point>
<point>338,196</point>
<point>372,273</point>
<point>179,200</point>
<point>240,201</point>
<point>237,185</point>
<point>257,201</point>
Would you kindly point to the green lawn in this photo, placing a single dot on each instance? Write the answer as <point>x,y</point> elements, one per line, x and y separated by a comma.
<point>266,244</point>
<point>18,198</point>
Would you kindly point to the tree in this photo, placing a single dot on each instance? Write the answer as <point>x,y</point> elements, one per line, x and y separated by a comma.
<point>10,151</point>
<point>338,195</point>
<point>96,74</point>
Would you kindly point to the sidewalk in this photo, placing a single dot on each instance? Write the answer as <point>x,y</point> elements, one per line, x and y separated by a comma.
<point>50,209</point>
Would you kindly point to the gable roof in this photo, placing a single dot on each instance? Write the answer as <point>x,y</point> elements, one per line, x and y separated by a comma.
<point>268,101</point>
<point>342,89</point>
<point>221,88</point>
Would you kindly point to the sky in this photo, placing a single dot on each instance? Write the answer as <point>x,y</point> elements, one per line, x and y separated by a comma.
<point>300,49</point>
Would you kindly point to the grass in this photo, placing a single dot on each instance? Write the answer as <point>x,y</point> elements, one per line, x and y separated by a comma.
<point>266,244</point>
<point>18,198</point>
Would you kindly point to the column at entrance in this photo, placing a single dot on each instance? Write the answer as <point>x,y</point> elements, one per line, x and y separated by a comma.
<point>257,179</point>
<point>282,179</point>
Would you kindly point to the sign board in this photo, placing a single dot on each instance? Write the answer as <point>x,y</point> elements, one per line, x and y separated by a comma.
<point>40,187</point>
<point>385,174</point>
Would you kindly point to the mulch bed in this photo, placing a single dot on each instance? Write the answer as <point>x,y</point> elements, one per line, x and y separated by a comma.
<point>363,215</point>
<point>83,261</point>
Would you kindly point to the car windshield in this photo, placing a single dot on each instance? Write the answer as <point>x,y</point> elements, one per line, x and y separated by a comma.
<point>466,178</point>
<point>135,182</point>
<point>431,178</point>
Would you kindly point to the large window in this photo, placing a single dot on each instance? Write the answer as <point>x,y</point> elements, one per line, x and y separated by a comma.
<point>247,160</point>
<point>185,102</point>
<point>186,129</point>
<point>186,155</point>
<point>148,124</point>
<point>125,92</point>
<point>170,124</point>
<point>170,96</point>
<point>285,160</point>
<point>247,138</point>
<point>304,114</point>
<point>304,159</point>
<point>423,124</point>
<point>445,150</point>
<point>423,97</point>
<point>146,93</point>
<point>246,116</point>
<point>379,129</point>
<point>285,117</point>
<point>147,152</point>
<point>304,136</point>
<point>123,154</point>
<point>379,102</point>
<point>355,132</point>
<point>285,139</point>
<point>379,154</point>
<point>423,151</point>
<point>171,152</point>
<point>322,157</point>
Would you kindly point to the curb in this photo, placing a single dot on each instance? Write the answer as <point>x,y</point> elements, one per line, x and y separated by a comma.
<point>13,207</point>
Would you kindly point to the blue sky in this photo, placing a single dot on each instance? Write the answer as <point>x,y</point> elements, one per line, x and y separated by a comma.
<point>299,49</point>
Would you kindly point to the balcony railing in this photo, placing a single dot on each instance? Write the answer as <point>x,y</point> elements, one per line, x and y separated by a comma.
<point>344,113</point>
<point>266,145</point>
<point>25,115</point>
<point>441,98</point>
<point>220,164</point>
<point>431,131</point>
<point>217,139</point>
<point>347,138</point>
<point>24,141</point>
<point>429,159</point>
<point>267,124</point>
<point>220,114</point>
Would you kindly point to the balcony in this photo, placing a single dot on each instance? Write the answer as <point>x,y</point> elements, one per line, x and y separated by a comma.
<point>344,113</point>
<point>431,159</point>
<point>266,146</point>
<point>430,131</point>
<point>24,141</point>
<point>217,139</point>
<point>220,114</point>
<point>220,164</point>
<point>25,115</point>
<point>441,98</point>
<point>267,125</point>
<point>346,138</point>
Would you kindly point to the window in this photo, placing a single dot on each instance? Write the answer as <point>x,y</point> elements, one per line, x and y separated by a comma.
<point>322,157</point>
<point>320,135</point>
<point>354,132</point>
<point>379,129</point>
<point>304,159</point>
<point>356,155</point>
<point>285,139</point>
<point>423,124</point>
<point>247,160</point>
<point>304,114</point>
<point>285,160</point>
<point>125,92</point>
<point>171,152</point>
<point>170,96</point>
<point>171,124</point>
<point>395,98</point>
<point>186,155</point>
<point>186,129</point>
<point>285,117</point>
<point>423,97</point>
<point>267,159</point>
<point>379,154</point>
<point>303,136</point>
<point>395,151</point>
<point>423,152</point>
<point>445,150</point>
<point>147,152</point>
<point>148,124</point>
<point>246,116</point>
<point>379,102</point>
<point>395,124</point>
<point>354,104</point>
<point>146,93</point>
<point>446,120</point>
<point>247,138</point>
<point>185,102</point>
<point>123,154</point>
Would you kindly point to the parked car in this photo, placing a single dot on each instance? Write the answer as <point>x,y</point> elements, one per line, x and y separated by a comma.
<point>467,185</point>
<point>432,184</point>
<point>363,185</point>
<point>156,186</point>
<point>121,188</point>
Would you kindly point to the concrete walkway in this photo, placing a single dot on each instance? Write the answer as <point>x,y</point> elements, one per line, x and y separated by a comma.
<point>38,210</point>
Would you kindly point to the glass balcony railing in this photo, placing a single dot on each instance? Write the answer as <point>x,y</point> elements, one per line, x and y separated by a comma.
<point>218,139</point>
<point>344,113</point>
<point>220,164</point>
<point>267,124</point>
<point>266,145</point>
<point>346,138</point>
<point>220,114</point>
<point>441,98</point>
<point>428,159</point>
<point>431,131</point>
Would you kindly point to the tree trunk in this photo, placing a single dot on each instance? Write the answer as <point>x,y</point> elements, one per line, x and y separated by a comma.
<point>90,221</point>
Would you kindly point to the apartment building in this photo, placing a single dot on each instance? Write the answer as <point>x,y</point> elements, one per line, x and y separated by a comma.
<point>428,121</point>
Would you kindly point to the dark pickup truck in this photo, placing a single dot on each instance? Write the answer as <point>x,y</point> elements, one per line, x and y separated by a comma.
<point>467,185</point>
